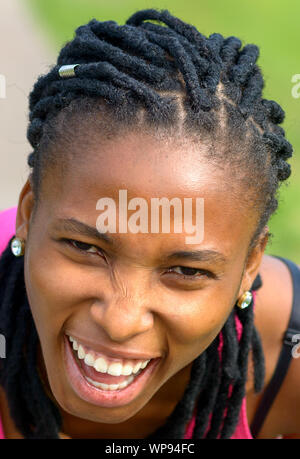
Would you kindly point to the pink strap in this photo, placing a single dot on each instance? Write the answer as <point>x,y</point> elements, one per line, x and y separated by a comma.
<point>7,226</point>
<point>7,230</point>
<point>2,437</point>
<point>242,430</point>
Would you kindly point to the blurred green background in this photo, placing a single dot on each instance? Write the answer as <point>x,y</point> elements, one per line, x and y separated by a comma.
<point>272,25</point>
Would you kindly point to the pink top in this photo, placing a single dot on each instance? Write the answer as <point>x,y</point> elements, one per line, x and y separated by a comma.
<point>242,430</point>
<point>7,230</point>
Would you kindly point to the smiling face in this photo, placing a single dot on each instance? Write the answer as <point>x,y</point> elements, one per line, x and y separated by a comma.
<point>127,294</point>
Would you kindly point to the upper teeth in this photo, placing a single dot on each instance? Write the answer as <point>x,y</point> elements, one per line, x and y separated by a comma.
<point>104,365</point>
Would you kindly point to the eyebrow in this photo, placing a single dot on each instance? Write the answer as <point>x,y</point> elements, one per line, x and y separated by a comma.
<point>198,255</point>
<point>76,226</point>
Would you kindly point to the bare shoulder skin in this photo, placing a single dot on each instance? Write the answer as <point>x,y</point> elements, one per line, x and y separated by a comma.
<point>272,313</point>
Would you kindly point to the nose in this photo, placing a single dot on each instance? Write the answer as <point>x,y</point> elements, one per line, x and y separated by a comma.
<point>124,314</point>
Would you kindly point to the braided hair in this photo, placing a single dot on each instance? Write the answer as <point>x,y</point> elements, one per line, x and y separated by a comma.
<point>166,77</point>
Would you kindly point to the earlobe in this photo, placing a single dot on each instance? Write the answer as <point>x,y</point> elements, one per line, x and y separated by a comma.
<point>24,212</point>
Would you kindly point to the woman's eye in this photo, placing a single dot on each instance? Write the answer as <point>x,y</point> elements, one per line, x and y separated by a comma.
<point>188,272</point>
<point>84,247</point>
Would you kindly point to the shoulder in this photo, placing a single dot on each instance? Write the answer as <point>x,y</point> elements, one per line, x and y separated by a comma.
<point>272,313</point>
<point>273,299</point>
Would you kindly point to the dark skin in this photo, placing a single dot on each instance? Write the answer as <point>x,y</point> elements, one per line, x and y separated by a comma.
<point>130,301</point>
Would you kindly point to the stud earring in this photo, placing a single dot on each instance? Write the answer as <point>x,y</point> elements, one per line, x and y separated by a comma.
<point>244,300</point>
<point>17,246</point>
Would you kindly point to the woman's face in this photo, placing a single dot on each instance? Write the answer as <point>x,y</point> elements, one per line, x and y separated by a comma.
<point>126,299</point>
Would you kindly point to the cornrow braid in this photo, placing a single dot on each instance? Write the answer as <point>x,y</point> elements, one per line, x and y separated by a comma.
<point>168,77</point>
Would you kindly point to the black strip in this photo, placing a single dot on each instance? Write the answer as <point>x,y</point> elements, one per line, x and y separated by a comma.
<point>257,283</point>
<point>286,351</point>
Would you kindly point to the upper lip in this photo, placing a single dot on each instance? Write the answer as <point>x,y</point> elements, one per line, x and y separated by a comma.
<point>113,352</point>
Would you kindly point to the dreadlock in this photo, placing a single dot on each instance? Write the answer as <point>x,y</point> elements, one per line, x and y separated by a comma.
<point>161,76</point>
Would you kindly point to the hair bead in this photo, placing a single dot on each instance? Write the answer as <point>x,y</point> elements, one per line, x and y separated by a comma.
<point>67,71</point>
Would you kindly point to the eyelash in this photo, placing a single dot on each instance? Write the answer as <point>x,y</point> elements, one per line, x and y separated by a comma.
<point>71,243</point>
<point>193,276</point>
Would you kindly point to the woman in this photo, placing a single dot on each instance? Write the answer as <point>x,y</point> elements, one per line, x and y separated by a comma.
<point>192,333</point>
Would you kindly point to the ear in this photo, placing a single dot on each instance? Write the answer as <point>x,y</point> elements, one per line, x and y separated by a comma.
<point>25,210</point>
<point>253,262</point>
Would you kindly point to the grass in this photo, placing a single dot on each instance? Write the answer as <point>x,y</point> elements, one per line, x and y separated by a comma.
<point>273,26</point>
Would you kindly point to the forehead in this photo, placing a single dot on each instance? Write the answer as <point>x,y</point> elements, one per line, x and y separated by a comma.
<point>150,168</point>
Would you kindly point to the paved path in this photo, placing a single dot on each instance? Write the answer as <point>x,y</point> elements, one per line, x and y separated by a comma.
<point>24,54</point>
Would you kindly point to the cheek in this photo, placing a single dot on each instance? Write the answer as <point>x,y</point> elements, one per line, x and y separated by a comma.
<point>201,313</point>
<point>194,322</point>
<point>55,289</point>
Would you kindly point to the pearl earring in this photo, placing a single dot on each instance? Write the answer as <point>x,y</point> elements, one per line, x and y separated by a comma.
<point>244,300</point>
<point>17,246</point>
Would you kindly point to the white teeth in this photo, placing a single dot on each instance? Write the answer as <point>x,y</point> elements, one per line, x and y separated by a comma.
<point>144,364</point>
<point>137,367</point>
<point>89,360</point>
<point>101,365</point>
<point>80,352</point>
<point>115,369</point>
<point>125,383</point>
<point>127,369</point>
<point>111,386</point>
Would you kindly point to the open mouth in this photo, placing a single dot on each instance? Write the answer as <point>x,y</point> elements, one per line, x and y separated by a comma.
<point>104,382</point>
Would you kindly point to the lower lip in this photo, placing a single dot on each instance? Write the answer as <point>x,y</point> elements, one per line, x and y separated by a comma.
<point>100,397</point>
